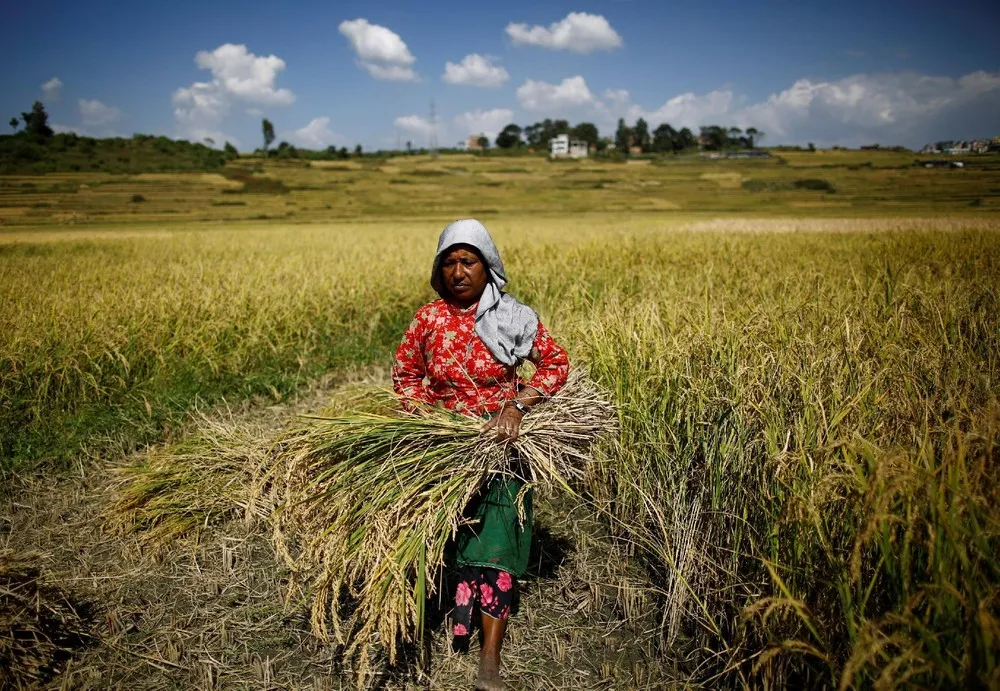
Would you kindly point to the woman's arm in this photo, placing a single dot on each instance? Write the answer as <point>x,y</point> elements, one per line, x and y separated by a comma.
<point>551,365</point>
<point>551,370</point>
<point>409,368</point>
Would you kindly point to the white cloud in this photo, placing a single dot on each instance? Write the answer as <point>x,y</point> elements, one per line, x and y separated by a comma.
<point>458,128</point>
<point>475,70</point>
<point>579,32</point>
<point>52,89</point>
<point>237,76</point>
<point>891,108</point>
<point>381,51</point>
<point>93,113</point>
<point>96,120</point>
<point>316,135</point>
<point>690,110</point>
<point>617,95</point>
<point>82,131</point>
<point>200,109</point>
<point>244,75</point>
<point>542,96</point>
<point>414,123</point>
<point>488,122</point>
<point>390,73</point>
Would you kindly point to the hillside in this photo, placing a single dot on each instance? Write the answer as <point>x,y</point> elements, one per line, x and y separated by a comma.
<point>24,154</point>
<point>826,183</point>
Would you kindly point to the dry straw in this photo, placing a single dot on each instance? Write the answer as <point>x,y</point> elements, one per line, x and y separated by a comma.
<point>176,490</point>
<point>366,504</point>
<point>40,624</point>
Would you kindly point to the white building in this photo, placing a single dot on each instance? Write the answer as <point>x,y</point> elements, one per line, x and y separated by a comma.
<point>562,146</point>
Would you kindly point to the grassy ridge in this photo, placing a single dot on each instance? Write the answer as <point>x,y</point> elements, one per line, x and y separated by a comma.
<point>68,152</point>
<point>810,418</point>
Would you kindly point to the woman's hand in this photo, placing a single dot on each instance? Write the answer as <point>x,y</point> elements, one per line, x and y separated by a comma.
<point>507,423</point>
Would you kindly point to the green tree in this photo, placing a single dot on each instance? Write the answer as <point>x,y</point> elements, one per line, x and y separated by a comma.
<point>539,134</point>
<point>509,137</point>
<point>230,151</point>
<point>268,129</point>
<point>532,135</point>
<point>713,137</point>
<point>558,127</point>
<point>37,121</point>
<point>14,123</point>
<point>358,151</point>
<point>286,150</point>
<point>752,135</point>
<point>666,139</point>
<point>640,135</point>
<point>586,132</point>
<point>623,137</point>
<point>483,142</point>
<point>735,136</point>
<point>686,139</point>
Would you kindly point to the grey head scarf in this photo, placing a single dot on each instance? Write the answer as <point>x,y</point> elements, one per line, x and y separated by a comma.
<point>506,326</point>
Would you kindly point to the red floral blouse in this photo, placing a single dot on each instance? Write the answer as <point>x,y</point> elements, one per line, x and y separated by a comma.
<point>441,344</point>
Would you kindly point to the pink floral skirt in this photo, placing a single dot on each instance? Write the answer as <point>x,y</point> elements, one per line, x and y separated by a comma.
<point>491,589</point>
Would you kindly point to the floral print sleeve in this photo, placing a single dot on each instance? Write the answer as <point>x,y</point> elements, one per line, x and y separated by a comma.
<point>551,363</point>
<point>442,361</point>
<point>409,368</point>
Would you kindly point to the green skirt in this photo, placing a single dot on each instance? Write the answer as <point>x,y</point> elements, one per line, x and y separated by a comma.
<point>497,539</point>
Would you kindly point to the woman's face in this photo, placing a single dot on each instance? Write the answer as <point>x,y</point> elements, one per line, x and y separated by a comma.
<point>464,274</point>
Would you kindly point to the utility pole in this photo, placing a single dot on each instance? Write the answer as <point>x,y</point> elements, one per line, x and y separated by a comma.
<point>432,143</point>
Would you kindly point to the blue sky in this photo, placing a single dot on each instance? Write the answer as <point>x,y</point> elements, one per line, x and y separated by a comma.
<point>348,72</point>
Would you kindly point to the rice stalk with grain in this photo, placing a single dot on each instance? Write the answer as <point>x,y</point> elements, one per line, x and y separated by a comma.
<point>366,504</point>
<point>179,489</point>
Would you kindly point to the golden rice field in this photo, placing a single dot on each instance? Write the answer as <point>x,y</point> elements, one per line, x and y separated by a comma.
<point>809,407</point>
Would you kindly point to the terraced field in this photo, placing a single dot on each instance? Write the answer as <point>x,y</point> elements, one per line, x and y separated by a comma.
<point>832,183</point>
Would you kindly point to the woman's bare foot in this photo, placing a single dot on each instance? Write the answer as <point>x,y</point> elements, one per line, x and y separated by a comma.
<point>489,678</point>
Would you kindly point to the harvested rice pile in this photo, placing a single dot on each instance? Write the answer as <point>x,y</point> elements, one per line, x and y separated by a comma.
<point>180,489</point>
<point>40,625</point>
<point>367,503</point>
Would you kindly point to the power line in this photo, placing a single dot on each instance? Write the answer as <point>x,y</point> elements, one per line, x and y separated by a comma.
<point>432,142</point>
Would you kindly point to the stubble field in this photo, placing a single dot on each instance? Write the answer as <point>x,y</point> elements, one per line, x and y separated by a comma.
<point>805,486</point>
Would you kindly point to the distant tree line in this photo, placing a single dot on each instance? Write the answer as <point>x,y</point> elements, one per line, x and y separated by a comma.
<point>637,138</point>
<point>286,150</point>
<point>35,147</point>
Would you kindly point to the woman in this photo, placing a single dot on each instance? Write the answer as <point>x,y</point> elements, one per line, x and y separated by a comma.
<point>468,346</point>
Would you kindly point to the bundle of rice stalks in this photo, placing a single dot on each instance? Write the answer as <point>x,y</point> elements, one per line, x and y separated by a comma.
<point>179,489</point>
<point>367,503</point>
<point>40,625</point>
